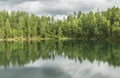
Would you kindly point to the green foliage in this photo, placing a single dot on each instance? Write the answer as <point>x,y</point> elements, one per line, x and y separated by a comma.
<point>98,25</point>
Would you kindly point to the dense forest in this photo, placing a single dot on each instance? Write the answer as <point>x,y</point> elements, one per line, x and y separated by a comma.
<point>92,25</point>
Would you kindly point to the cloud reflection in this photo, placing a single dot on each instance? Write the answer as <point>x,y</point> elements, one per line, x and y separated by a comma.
<point>46,71</point>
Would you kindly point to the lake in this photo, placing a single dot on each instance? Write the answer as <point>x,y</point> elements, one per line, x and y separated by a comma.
<point>60,59</point>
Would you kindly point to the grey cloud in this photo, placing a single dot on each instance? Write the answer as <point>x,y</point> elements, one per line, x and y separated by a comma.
<point>54,11</point>
<point>57,7</point>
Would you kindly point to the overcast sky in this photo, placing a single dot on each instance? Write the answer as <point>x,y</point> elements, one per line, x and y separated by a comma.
<point>56,7</point>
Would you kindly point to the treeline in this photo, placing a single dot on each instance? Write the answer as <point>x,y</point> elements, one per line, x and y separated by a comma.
<point>98,25</point>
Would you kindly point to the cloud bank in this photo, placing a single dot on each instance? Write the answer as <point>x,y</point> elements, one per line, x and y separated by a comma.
<point>56,7</point>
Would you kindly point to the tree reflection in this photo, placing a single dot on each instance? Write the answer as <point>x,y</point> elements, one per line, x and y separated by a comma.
<point>21,53</point>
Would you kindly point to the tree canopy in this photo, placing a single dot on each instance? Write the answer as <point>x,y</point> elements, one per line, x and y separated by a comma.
<point>92,25</point>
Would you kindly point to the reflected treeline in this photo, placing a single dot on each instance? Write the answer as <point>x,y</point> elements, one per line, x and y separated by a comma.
<point>21,53</point>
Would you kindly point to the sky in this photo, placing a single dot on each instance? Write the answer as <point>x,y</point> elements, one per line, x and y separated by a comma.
<point>56,7</point>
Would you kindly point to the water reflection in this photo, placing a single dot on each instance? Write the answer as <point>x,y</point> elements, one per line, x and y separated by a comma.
<point>21,53</point>
<point>59,59</point>
<point>51,71</point>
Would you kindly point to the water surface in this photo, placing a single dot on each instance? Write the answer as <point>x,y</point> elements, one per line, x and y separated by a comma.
<point>59,59</point>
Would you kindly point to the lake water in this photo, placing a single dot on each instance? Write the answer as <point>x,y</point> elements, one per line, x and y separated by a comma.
<point>60,59</point>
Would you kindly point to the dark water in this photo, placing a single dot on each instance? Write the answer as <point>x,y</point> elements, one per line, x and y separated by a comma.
<point>60,59</point>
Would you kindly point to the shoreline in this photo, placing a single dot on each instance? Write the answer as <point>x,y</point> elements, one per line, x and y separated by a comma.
<point>37,39</point>
<point>64,38</point>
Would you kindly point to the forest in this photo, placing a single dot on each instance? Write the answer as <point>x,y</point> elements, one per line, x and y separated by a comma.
<point>97,25</point>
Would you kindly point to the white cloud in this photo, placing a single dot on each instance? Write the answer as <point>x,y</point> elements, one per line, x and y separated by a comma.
<point>57,7</point>
<point>30,6</point>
